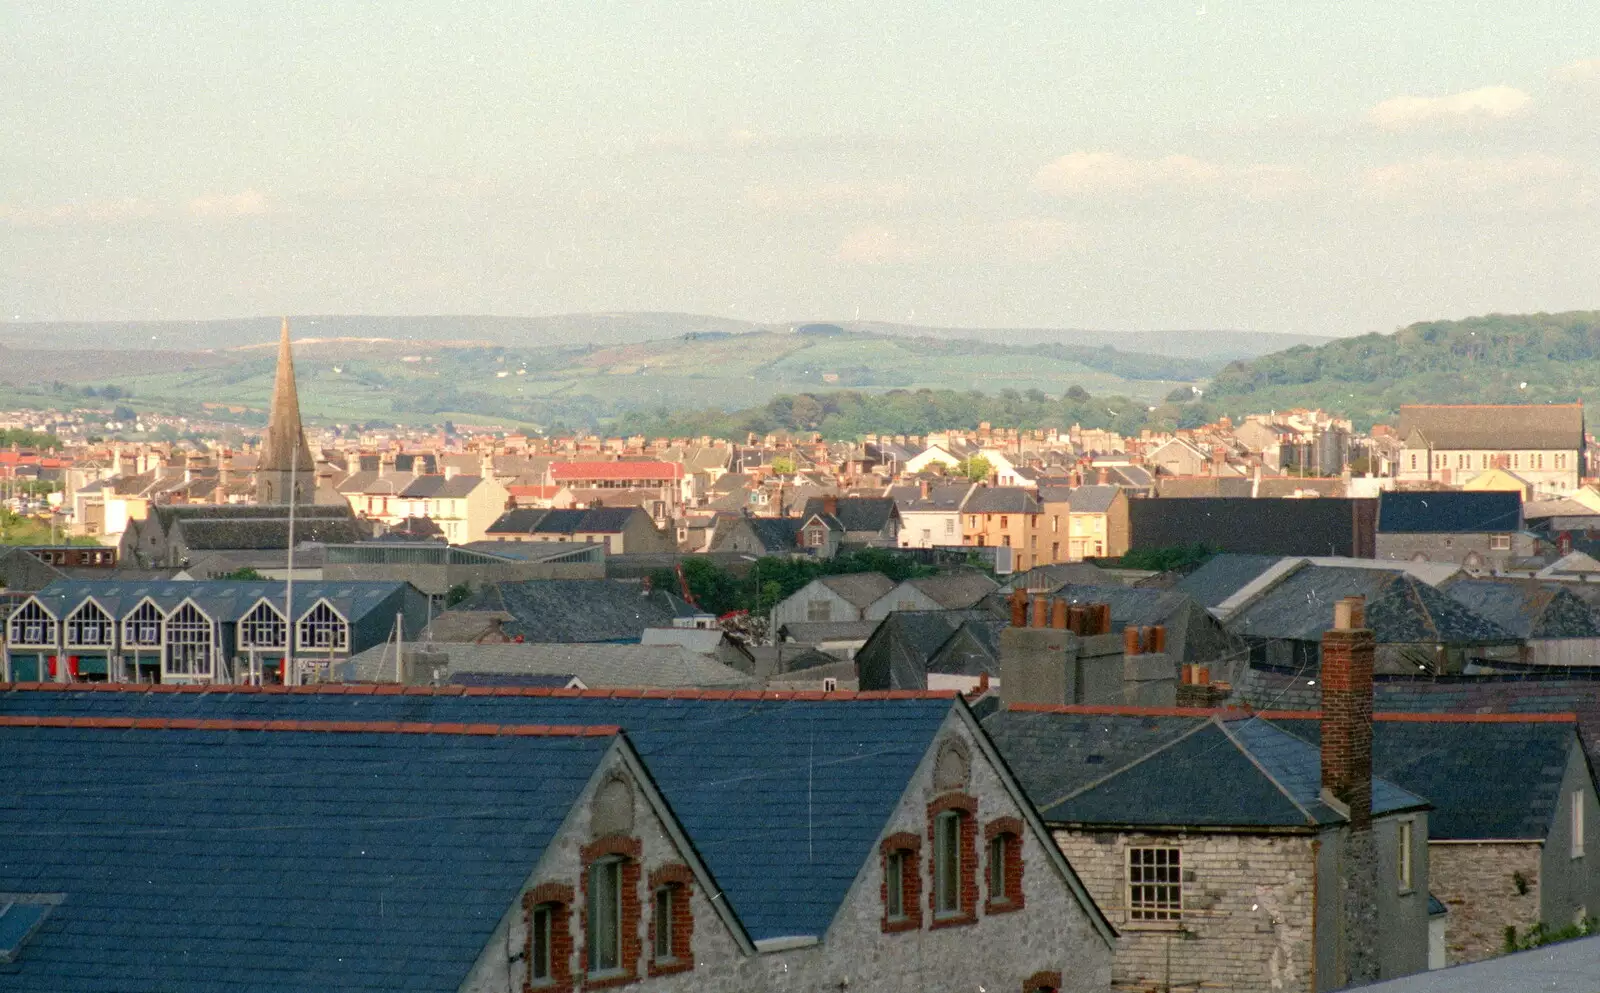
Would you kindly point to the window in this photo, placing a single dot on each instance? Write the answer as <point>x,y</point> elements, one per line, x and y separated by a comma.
<point>1413,460</point>
<point>902,883</point>
<point>541,927</point>
<point>1155,884</point>
<point>947,864</point>
<point>819,610</point>
<point>1403,859</point>
<point>1055,523</point>
<point>605,916</point>
<point>1561,460</point>
<point>1004,521</point>
<point>322,627</point>
<point>894,881</point>
<point>950,525</point>
<point>1577,824</point>
<point>33,625</point>
<point>1516,460</point>
<point>89,625</point>
<point>189,643</point>
<point>263,627</point>
<point>143,627</point>
<point>1499,542</point>
<point>1005,865</point>
<point>666,896</point>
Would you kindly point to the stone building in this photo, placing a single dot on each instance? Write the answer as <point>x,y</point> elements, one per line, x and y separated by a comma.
<point>774,843</point>
<point>1450,444</point>
<point>1230,853</point>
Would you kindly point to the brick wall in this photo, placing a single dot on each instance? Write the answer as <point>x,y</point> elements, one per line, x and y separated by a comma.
<point>1477,883</point>
<point>1247,921</point>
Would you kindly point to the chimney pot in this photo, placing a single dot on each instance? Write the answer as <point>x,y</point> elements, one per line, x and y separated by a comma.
<point>1019,608</point>
<point>1041,612</point>
<point>1059,613</point>
<point>1130,641</point>
<point>1158,639</point>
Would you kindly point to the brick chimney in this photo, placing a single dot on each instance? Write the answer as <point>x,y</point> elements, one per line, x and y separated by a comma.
<point>1347,655</point>
<point>1347,651</point>
<point>830,505</point>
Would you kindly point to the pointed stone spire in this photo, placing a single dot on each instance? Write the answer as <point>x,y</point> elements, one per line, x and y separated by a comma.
<point>284,446</point>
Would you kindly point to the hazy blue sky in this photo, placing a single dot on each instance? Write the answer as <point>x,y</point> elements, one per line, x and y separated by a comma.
<point>1328,166</point>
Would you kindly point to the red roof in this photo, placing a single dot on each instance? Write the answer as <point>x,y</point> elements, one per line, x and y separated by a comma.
<point>616,470</point>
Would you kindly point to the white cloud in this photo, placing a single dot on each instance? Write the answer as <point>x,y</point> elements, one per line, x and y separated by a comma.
<point>1112,173</point>
<point>246,203</point>
<point>1522,178</point>
<point>878,245</point>
<point>1041,238</point>
<point>1485,103</point>
<point>809,196</point>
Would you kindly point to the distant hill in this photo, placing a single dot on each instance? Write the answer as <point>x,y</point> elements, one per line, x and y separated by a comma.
<point>1498,358</point>
<point>605,329</point>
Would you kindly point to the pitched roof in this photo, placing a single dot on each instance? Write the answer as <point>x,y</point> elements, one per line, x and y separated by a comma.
<point>858,588</point>
<point>564,472</point>
<point>1092,499</point>
<point>1495,427</point>
<point>752,780</point>
<point>1223,575</point>
<point>268,533</point>
<point>597,665</point>
<point>1130,605</point>
<point>1137,769</point>
<point>578,610</point>
<point>955,590</point>
<point>1527,608</point>
<point>1486,779</point>
<point>1050,577</point>
<point>1564,967</point>
<point>1400,609</point>
<point>855,513</point>
<point>594,520</point>
<point>942,497</point>
<point>1002,500</point>
<point>441,487</point>
<point>1448,512</point>
<point>307,854</point>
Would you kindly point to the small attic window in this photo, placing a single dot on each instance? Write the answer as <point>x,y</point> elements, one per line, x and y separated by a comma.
<point>20,917</point>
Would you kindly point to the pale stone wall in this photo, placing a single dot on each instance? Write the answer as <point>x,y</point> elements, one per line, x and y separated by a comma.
<point>1477,884</point>
<point>1248,910</point>
<point>1052,933</point>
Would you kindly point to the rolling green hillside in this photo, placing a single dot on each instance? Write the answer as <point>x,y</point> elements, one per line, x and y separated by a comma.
<point>1499,358</point>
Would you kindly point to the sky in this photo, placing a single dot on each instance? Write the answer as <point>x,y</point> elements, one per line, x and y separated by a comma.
<point>1315,166</point>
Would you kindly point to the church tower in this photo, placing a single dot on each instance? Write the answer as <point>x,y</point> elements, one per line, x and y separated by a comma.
<point>284,454</point>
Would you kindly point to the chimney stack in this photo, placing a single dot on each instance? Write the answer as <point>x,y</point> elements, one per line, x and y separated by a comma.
<point>1347,657</point>
<point>830,505</point>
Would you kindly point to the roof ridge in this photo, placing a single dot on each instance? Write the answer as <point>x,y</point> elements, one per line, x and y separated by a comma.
<point>1424,717</point>
<point>355,727</point>
<point>1147,756</point>
<point>394,689</point>
<point>1252,758</point>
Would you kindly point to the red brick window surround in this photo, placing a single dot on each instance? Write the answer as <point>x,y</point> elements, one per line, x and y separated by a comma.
<point>671,920</point>
<point>547,946</point>
<point>953,858</point>
<point>902,882</point>
<point>611,910</point>
<point>1042,982</point>
<point>1003,842</point>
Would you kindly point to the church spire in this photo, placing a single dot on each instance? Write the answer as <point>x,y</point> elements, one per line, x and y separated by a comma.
<point>285,441</point>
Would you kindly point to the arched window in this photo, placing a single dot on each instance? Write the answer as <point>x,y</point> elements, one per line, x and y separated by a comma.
<point>547,945</point>
<point>953,860</point>
<point>1003,867</point>
<point>902,882</point>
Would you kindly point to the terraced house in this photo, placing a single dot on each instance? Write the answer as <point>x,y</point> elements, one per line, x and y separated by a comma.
<point>574,841</point>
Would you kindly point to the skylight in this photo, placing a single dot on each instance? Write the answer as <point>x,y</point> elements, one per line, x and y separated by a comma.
<point>20,917</point>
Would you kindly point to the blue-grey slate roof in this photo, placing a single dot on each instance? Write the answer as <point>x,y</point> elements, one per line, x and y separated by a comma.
<point>1448,512</point>
<point>1095,768</point>
<point>783,799</point>
<point>1485,779</point>
<point>1400,609</point>
<point>1527,608</point>
<point>1567,967</point>
<point>578,610</point>
<point>1224,575</point>
<point>198,861</point>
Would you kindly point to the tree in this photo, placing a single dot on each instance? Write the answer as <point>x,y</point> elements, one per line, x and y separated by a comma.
<point>245,573</point>
<point>783,465</point>
<point>977,468</point>
<point>123,412</point>
<point>457,595</point>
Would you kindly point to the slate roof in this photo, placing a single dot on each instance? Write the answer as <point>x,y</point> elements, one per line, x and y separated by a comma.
<point>776,534</point>
<point>858,588</point>
<point>578,610</point>
<point>1050,577</point>
<point>1495,427</point>
<point>222,599</point>
<point>1137,769</point>
<point>1565,967</point>
<point>267,534</point>
<point>666,666</point>
<point>955,590</point>
<point>1092,499</point>
<point>636,471</point>
<point>944,497</point>
<point>1224,575</point>
<point>856,514</point>
<point>1400,609</point>
<point>817,632</point>
<point>316,875</point>
<point>166,514</point>
<point>1527,608</point>
<point>1486,778</point>
<point>753,782</point>
<point>1129,605</point>
<point>1002,500</point>
<point>441,487</point>
<point>1448,512</point>
<point>594,520</point>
